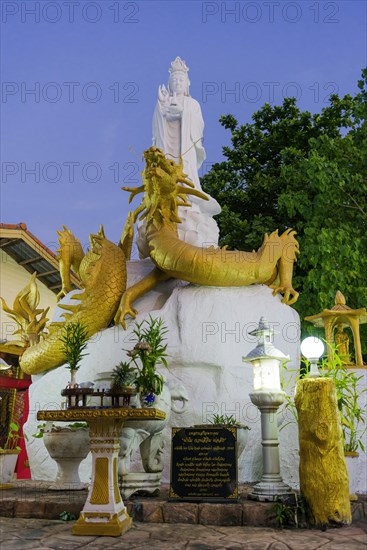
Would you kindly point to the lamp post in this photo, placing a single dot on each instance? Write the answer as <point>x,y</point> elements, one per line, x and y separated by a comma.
<point>312,348</point>
<point>267,396</point>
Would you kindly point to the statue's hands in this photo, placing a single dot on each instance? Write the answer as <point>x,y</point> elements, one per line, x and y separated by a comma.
<point>163,95</point>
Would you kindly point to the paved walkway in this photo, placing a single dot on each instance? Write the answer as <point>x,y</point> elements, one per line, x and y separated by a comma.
<point>22,534</point>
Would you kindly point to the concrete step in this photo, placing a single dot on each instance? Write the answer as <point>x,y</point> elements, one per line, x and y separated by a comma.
<point>32,499</point>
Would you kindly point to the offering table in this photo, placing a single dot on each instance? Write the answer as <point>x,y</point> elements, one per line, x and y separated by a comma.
<point>104,512</point>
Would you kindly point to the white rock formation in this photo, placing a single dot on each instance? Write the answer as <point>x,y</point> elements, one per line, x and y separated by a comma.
<point>208,335</point>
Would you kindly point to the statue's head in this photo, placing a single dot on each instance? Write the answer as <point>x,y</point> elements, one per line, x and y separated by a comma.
<point>178,80</point>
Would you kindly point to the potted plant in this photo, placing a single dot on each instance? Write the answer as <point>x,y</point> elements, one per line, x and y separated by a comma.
<point>9,454</point>
<point>68,446</point>
<point>122,383</point>
<point>229,421</point>
<point>74,340</point>
<point>149,352</point>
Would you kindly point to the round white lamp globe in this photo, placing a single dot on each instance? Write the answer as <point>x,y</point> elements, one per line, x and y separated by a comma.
<point>312,347</point>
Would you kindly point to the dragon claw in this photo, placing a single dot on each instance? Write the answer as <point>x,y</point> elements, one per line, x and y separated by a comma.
<point>289,294</point>
<point>125,309</point>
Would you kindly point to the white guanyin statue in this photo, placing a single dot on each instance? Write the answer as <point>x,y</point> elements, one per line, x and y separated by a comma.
<point>178,130</point>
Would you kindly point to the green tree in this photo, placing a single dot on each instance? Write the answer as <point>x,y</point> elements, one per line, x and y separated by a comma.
<point>290,168</point>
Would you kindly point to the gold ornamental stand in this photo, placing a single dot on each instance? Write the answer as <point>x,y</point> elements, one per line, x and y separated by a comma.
<point>104,512</point>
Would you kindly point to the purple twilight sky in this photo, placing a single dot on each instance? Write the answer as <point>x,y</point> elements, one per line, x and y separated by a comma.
<point>80,80</point>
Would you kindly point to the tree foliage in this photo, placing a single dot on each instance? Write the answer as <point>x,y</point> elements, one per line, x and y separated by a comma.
<point>289,168</point>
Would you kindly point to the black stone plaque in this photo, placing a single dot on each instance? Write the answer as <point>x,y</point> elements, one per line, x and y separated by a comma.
<point>204,464</point>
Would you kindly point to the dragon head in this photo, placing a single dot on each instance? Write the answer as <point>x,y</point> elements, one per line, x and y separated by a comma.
<point>70,250</point>
<point>166,188</point>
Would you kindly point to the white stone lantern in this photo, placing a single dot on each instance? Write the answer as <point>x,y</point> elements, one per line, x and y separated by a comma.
<point>268,396</point>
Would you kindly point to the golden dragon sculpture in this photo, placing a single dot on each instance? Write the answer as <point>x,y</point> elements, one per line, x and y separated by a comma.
<point>166,188</point>
<point>102,271</point>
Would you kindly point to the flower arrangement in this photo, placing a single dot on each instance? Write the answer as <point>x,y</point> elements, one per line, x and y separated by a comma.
<point>148,352</point>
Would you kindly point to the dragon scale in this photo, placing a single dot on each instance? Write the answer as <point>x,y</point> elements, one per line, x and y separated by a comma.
<point>103,274</point>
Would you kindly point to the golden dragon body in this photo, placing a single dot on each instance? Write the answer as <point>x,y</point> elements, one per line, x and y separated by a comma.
<point>166,188</point>
<point>102,271</point>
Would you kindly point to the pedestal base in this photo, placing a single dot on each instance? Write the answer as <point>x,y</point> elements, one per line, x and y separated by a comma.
<point>104,513</point>
<point>267,491</point>
<point>141,482</point>
<point>102,524</point>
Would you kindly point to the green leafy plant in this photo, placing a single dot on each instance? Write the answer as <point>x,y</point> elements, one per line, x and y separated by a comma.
<point>227,420</point>
<point>41,428</point>
<point>353,416</point>
<point>287,167</point>
<point>74,340</point>
<point>67,516</point>
<point>149,352</point>
<point>123,375</point>
<point>284,514</point>
<point>11,442</point>
<point>289,511</point>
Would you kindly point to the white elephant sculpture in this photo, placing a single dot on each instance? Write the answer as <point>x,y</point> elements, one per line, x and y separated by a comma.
<point>148,434</point>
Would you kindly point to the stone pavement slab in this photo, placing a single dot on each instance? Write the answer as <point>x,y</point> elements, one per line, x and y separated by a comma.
<point>21,533</point>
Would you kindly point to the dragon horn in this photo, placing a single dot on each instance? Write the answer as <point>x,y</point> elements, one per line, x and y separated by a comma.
<point>183,190</point>
<point>188,182</point>
<point>133,191</point>
<point>98,237</point>
<point>64,229</point>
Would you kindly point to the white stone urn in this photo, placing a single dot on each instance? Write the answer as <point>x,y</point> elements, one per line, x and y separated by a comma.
<point>68,447</point>
<point>8,460</point>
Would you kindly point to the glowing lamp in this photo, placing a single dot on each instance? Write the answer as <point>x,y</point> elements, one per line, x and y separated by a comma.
<point>312,348</point>
<point>265,359</point>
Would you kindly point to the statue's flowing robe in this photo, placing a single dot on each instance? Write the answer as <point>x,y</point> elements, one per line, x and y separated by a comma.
<point>191,142</point>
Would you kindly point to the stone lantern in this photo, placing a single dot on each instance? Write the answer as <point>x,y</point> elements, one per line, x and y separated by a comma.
<point>268,396</point>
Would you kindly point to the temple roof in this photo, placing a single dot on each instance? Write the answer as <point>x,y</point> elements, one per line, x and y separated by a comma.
<point>339,314</point>
<point>30,253</point>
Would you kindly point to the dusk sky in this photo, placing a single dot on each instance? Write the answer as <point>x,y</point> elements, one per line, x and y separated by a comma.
<point>80,81</point>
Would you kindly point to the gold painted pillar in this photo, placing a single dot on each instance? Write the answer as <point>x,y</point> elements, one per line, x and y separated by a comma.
<point>322,470</point>
<point>104,512</point>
